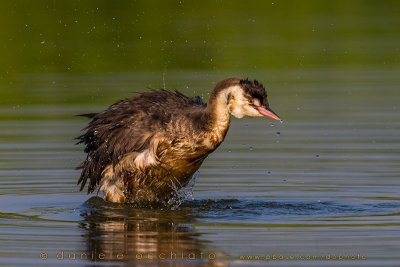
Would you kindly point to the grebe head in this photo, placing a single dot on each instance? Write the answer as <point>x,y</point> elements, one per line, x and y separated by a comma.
<point>249,98</point>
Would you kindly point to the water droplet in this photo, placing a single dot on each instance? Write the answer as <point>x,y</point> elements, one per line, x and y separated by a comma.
<point>278,133</point>
<point>281,121</point>
<point>95,133</point>
<point>89,158</point>
<point>229,151</point>
<point>272,124</point>
<point>317,156</point>
<point>42,42</point>
<point>268,172</point>
<point>319,200</point>
<point>251,148</point>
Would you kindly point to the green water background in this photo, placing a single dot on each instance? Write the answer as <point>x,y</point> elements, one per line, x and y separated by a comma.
<point>45,43</point>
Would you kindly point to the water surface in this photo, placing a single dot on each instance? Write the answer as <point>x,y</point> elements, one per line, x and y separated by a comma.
<point>323,183</point>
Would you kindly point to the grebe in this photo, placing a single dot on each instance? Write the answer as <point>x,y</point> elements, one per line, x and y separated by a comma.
<point>147,147</point>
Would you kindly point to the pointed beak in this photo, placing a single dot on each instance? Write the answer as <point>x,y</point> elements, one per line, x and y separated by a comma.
<point>266,111</point>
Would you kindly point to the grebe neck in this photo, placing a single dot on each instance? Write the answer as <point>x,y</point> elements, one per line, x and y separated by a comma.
<point>217,108</point>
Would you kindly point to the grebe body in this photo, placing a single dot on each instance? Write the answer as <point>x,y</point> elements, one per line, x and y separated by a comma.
<point>147,147</point>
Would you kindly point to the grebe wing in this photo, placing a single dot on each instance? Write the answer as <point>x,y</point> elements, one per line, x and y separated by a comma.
<point>127,126</point>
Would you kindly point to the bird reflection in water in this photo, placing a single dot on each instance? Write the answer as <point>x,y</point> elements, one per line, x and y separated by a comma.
<point>144,236</point>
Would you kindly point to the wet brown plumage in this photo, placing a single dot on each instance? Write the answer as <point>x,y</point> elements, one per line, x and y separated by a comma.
<point>147,147</point>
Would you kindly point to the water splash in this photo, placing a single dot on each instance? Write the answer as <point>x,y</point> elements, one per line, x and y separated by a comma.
<point>177,196</point>
<point>185,192</point>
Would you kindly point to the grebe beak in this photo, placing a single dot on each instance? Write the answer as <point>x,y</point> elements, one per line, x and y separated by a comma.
<point>266,111</point>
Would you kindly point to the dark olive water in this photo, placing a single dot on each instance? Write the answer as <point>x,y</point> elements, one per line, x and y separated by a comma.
<point>320,189</point>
